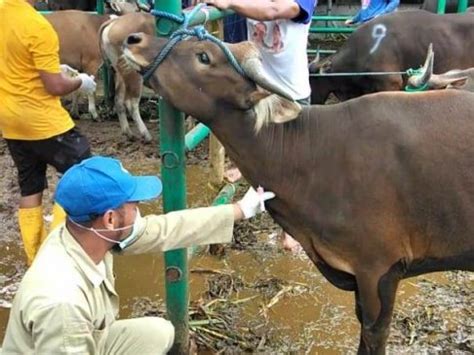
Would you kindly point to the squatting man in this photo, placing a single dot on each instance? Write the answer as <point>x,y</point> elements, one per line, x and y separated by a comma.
<point>67,302</point>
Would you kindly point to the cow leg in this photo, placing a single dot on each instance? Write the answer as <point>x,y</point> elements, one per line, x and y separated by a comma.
<point>135,113</point>
<point>120,106</point>
<point>92,106</point>
<point>375,297</point>
<point>75,105</point>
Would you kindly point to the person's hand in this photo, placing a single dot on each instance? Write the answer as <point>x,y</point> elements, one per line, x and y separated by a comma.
<point>349,22</point>
<point>220,4</point>
<point>68,71</point>
<point>88,84</point>
<point>253,202</point>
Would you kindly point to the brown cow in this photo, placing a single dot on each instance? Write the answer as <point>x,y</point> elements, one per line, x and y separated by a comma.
<point>375,189</point>
<point>128,83</point>
<point>79,45</point>
<point>79,41</point>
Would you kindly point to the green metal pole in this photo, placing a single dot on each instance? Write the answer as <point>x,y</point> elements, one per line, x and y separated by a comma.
<point>174,198</point>
<point>462,5</point>
<point>100,7</point>
<point>441,7</point>
<point>331,29</point>
<point>105,70</point>
<point>330,18</point>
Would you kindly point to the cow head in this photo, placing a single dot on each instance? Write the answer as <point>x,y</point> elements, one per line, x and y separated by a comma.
<point>453,79</point>
<point>198,79</point>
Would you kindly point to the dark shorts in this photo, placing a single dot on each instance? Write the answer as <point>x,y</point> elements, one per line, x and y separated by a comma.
<point>32,157</point>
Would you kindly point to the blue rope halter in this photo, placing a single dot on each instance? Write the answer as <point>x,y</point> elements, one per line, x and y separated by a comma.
<point>184,33</point>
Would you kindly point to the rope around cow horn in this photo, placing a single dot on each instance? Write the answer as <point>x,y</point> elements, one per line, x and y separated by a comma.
<point>250,68</point>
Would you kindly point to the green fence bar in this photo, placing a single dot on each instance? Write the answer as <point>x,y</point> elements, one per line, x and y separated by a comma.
<point>332,29</point>
<point>196,136</point>
<point>105,70</point>
<point>212,15</point>
<point>441,7</point>
<point>100,7</point>
<point>321,51</point>
<point>462,5</point>
<point>330,18</point>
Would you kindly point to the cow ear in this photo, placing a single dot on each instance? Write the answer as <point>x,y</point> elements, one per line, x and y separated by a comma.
<point>458,83</point>
<point>275,109</point>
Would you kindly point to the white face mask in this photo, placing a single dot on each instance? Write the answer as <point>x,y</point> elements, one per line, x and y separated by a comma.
<point>120,244</point>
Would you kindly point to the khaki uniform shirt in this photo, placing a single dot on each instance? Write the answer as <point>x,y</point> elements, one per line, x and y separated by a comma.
<point>65,305</point>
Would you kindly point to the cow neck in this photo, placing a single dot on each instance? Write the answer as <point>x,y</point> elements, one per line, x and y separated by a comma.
<point>269,157</point>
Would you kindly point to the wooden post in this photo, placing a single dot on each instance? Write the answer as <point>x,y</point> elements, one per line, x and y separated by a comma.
<point>216,150</point>
<point>216,161</point>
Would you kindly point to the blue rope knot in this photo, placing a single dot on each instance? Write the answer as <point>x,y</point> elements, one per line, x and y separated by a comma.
<point>184,33</point>
<point>200,32</point>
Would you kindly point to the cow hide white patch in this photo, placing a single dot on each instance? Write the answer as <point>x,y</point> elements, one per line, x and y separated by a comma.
<point>275,109</point>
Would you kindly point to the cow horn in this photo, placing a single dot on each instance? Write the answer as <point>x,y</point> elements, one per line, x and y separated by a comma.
<point>427,70</point>
<point>254,70</point>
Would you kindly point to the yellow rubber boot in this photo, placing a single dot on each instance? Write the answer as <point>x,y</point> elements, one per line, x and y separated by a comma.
<point>59,216</point>
<point>31,230</point>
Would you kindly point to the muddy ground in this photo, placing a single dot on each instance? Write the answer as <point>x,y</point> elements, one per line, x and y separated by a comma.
<point>254,297</point>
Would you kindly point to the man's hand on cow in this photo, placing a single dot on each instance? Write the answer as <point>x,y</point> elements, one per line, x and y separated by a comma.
<point>253,202</point>
<point>88,84</point>
<point>220,4</point>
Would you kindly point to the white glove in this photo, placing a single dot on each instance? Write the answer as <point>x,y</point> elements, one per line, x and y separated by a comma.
<point>253,202</point>
<point>88,83</point>
<point>69,71</point>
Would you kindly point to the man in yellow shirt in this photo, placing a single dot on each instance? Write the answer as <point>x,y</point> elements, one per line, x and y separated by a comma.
<point>67,302</point>
<point>37,129</point>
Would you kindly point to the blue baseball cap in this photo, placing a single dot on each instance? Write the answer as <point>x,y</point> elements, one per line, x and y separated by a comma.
<point>99,184</point>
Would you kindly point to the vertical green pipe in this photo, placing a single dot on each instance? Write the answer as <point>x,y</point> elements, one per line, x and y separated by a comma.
<point>174,198</point>
<point>462,5</point>
<point>441,7</point>
<point>105,67</point>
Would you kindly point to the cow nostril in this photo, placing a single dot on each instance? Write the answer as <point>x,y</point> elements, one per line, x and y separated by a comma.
<point>134,39</point>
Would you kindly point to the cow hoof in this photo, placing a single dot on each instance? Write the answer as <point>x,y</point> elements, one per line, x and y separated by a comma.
<point>147,138</point>
<point>290,244</point>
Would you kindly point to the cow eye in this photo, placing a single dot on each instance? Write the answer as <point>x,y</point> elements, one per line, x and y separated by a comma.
<point>203,58</point>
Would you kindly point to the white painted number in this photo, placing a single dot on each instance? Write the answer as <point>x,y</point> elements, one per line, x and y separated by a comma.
<point>379,32</point>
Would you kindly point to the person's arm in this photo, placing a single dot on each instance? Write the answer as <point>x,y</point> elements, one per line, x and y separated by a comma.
<point>198,226</point>
<point>61,328</point>
<point>261,10</point>
<point>43,44</point>
<point>391,6</point>
<point>58,84</point>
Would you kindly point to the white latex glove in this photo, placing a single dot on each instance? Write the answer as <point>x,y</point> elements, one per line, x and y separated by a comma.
<point>69,71</point>
<point>253,202</point>
<point>88,83</point>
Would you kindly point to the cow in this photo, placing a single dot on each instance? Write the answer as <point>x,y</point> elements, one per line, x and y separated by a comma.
<point>453,79</point>
<point>79,42</point>
<point>375,189</point>
<point>451,5</point>
<point>79,45</point>
<point>393,43</point>
<point>128,83</point>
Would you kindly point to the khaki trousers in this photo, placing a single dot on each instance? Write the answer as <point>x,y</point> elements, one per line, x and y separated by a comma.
<point>147,335</point>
